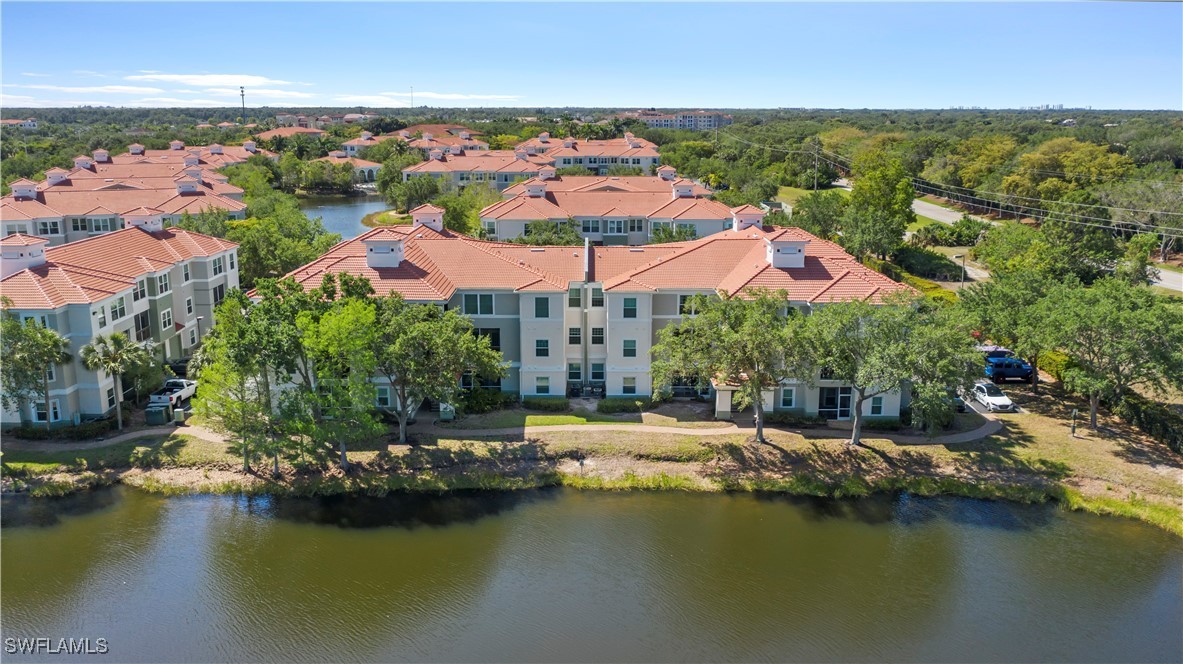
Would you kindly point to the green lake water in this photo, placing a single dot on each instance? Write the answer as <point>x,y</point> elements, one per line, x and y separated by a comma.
<point>560,575</point>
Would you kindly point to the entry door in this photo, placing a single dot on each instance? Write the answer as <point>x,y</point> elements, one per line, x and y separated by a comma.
<point>835,403</point>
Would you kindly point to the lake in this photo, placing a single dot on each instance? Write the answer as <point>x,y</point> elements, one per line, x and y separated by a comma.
<point>562,575</point>
<point>343,215</point>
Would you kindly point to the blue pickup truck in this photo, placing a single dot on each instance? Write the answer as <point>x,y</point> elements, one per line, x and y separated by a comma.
<point>1000,369</point>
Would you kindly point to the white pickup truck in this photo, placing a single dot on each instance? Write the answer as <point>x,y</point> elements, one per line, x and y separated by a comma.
<point>174,392</point>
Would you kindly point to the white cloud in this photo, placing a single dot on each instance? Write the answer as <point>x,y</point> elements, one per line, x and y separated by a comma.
<point>206,80</point>
<point>372,100</point>
<point>452,95</point>
<point>89,72</point>
<point>115,89</point>
<point>259,92</point>
<point>34,74</point>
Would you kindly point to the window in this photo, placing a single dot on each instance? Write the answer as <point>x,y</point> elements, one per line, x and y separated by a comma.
<point>630,307</point>
<point>118,309</point>
<point>219,294</point>
<point>597,298</point>
<point>490,228</point>
<point>382,399</point>
<point>597,371</point>
<point>629,386</point>
<point>104,225</point>
<point>574,371</point>
<point>102,317</point>
<point>636,161</point>
<point>140,291</point>
<point>78,225</point>
<point>478,304</point>
<point>630,347</point>
<point>51,373</point>
<point>616,226</point>
<point>542,385</point>
<point>39,411</point>
<point>876,405</point>
<point>42,320</point>
<point>685,307</point>
<point>542,348</point>
<point>232,265</point>
<point>218,266</point>
<point>110,397</point>
<point>788,397</point>
<point>185,276</point>
<point>49,228</point>
<point>636,225</point>
<point>574,336</point>
<point>143,326</point>
<point>574,298</point>
<point>192,337</point>
<point>166,321</point>
<point>188,306</point>
<point>493,334</point>
<point>542,307</point>
<point>162,284</point>
<point>591,225</point>
<point>597,336</point>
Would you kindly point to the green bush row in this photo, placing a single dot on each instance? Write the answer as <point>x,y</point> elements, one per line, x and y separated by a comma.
<point>623,405</point>
<point>930,289</point>
<point>883,424</point>
<point>793,419</point>
<point>1153,418</point>
<point>85,431</point>
<point>1054,363</point>
<point>483,400</point>
<point>551,404</point>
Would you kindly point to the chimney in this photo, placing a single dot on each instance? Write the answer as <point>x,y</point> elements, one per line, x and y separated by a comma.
<point>544,137</point>
<point>20,252</point>
<point>535,188</point>
<point>135,148</point>
<point>56,176</point>
<point>785,253</point>
<point>404,133</point>
<point>667,173</point>
<point>426,136</point>
<point>82,161</point>
<point>215,149</point>
<point>23,188</point>
<point>365,136</point>
<point>436,154</point>
<point>683,189</point>
<point>101,156</point>
<point>384,250</point>
<point>195,152</point>
<point>546,173</point>
<point>176,145</point>
<point>746,216</point>
<point>337,154</point>
<point>194,173</point>
<point>520,153</point>
<point>147,219</point>
<point>191,160</point>
<point>186,186</point>
<point>464,135</point>
<point>568,142</point>
<point>428,215</point>
<point>249,146</point>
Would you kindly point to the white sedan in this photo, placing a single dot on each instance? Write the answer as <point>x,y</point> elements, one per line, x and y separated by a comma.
<point>992,398</point>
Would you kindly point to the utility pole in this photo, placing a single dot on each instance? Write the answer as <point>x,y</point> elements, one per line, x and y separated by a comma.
<point>242,93</point>
<point>815,146</point>
<point>412,96</point>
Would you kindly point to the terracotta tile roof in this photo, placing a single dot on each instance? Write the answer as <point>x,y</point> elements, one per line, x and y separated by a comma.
<point>485,161</point>
<point>353,161</point>
<point>605,183</point>
<point>22,240</point>
<point>427,207</point>
<point>98,267</point>
<point>288,132</point>
<point>56,202</point>
<point>596,203</point>
<point>439,129</point>
<point>436,265</point>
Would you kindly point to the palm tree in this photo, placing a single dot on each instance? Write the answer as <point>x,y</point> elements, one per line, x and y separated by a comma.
<point>114,355</point>
<point>46,349</point>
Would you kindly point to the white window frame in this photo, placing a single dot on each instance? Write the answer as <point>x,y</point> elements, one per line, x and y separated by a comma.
<point>542,348</point>
<point>876,405</point>
<point>140,290</point>
<point>163,284</point>
<point>542,384</point>
<point>382,397</point>
<point>118,309</point>
<point>186,276</point>
<point>628,385</point>
<point>624,347</point>
<point>55,412</point>
<point>478,296</point>
<point>791,393</point>
<point>218,266</point>
<point>166,321</point>
<point>188,306</point>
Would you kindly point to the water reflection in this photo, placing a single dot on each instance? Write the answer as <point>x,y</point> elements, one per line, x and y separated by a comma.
<point>21,510</point>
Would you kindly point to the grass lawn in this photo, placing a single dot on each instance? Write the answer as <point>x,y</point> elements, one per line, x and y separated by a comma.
<point>921,222</point>
<point>385,218</point>
<point>674,414</point>
<point>928,198</point>
<point>791,194</point>
<point>1167,292</point>
<point>1170,267</point>
<point>173,450</point>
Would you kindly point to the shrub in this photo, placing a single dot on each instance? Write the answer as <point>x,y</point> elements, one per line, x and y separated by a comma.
<point>623,405</point>
<point>793,419</point>
<point>1054,363</point>
<point>924,263</point>
<point>32,433</point>
<point>551,404</point>
<point>1153,418</point>
<point>89,429</point>
<point>484,400</point>
<point>883,424</point>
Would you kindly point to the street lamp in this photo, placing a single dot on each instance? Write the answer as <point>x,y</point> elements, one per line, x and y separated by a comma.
<point>962,257</point>
<point>199,319</point>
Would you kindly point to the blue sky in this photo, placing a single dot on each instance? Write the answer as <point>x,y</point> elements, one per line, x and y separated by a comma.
<point>878,55</point>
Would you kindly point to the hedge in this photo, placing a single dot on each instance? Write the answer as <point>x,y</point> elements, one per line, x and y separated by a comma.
<point>883,424</point>
<point>793,419</point>
<point>85,431</point>
<point>1054,363</point>
<point>483,400</point>
<point>1152,418</point>
<point>622,405</point>
<point>552,404</point>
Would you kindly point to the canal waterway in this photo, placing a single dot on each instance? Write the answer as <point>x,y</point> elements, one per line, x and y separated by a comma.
<point>343,215</point>
<point>563,575</point>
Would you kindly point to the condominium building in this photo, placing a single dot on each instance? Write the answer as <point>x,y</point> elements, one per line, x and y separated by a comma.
<point>612,210</point>
<point>289,132</point>
<point>150,282</point>
<point>565,318</point>
<point>597,156</point>
<point>27,123</point>
<point>698,120</point>
<point>363,171</point>
<point>498,168</point>
<point>102,193</point>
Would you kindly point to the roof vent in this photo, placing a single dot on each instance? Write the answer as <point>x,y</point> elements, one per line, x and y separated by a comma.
<point>636,250</point>
<point>537,250</point>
